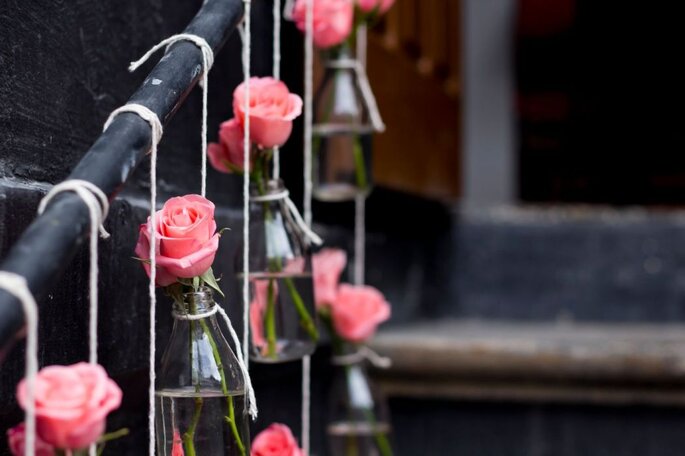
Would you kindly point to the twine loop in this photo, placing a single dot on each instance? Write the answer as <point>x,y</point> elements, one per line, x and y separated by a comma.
<point>363,353</point>
<point>284,195</point>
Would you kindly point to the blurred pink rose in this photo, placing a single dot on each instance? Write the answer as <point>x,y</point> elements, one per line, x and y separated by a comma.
<point>72,403</point>
<point>369,6</point>
<point>276,440</point>
<point>327,266</point>
<point>333,20</point>
<point>177,445</point>
<point>357,311</point>
<point>16,438</point>
<point>186,239</point>
<point>228,154</point>
<point>257,309</point>
<point>272,110</point>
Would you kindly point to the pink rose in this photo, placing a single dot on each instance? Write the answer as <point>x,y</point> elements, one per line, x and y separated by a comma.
<point>370,6</point>
<point>357,311</point>
<point>276,440</point>
<point>272,110</point>
<point>333,20</point>
<point>228,154</point>
<point>327,266</point>
<point>16,437</point>
<point>72,403</point>
<point>257,309</point>
<point>177,445</point>
<point>186,239</point>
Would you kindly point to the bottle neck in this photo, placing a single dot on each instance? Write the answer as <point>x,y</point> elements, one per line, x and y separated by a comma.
<point>270,187</point>
<point>195,305</point>
<point>346,354</point>
<point>334,57</point>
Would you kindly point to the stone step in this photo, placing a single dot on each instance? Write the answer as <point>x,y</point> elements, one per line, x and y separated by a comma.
<point>535,362</point>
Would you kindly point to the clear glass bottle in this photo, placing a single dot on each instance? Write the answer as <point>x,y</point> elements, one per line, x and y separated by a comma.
<point>341,141</point>
<point>359,419</point>
<point>282,313</point>
<point>200,388</point>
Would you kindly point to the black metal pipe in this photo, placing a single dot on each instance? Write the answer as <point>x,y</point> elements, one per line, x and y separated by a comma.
<point>46,247</point>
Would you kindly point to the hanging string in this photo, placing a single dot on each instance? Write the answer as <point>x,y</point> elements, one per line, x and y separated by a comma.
<point>363,353</point>
<point>362,39</point>
<point>377,122</point>
<point>359,238</point>
<point>157,131</point>
<point>17,286</point>
<point>307,195</point>
<point>207,62</point>
<point>277,73</point>
<point>98,207</point>
<point>306,402</point>
<point>252,401</point>
<point>247,48</point>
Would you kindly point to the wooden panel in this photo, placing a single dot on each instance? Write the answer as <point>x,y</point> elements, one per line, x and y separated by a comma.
<point>419,152</point>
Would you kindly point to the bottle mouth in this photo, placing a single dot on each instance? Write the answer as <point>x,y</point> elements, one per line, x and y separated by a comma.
<point>195,302</point>
<point>272,186</point>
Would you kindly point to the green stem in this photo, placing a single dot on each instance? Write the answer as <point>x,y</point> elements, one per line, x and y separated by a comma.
<point>306,320</point>
<point>230,419</point>
<point>270,320</point>
<point>382,442</point>
<point>189,435</point>
<point>359,165</point>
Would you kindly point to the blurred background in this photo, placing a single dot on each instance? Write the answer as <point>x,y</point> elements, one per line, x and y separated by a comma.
<point>526,222</point>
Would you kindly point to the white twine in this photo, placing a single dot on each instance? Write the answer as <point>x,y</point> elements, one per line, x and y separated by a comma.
<point>98,207</point>
<point>362,40</point>
<point>307,192</point>
<point>207,62</point>
<point>247,48</point>
<point>157,131</point>
<point>17,286</point>
<point>306,402</point>
<point>359,239</point>
<point>277,73</point>
<point>308,107</point>
<point>284,195</point>
<point>288,9</point>
<point>363,353</point>
<point>249,390</point>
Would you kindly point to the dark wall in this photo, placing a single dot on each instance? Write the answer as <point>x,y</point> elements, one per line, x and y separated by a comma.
<point>63,68</point>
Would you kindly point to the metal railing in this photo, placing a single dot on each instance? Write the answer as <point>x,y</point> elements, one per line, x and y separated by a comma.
<point>45,249</point>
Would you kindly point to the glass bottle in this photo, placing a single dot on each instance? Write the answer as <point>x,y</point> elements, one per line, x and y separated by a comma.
<point>282,313</point>
<point>200,388</point>
<point>359,419</point>
<point>341,140</point>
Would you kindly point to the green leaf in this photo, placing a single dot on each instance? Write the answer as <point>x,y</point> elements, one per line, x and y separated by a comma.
<point>196,283</point>
<point>102,441</point>
<point>231,167</point>
<point>211,281</point>
<point>221,231</point>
